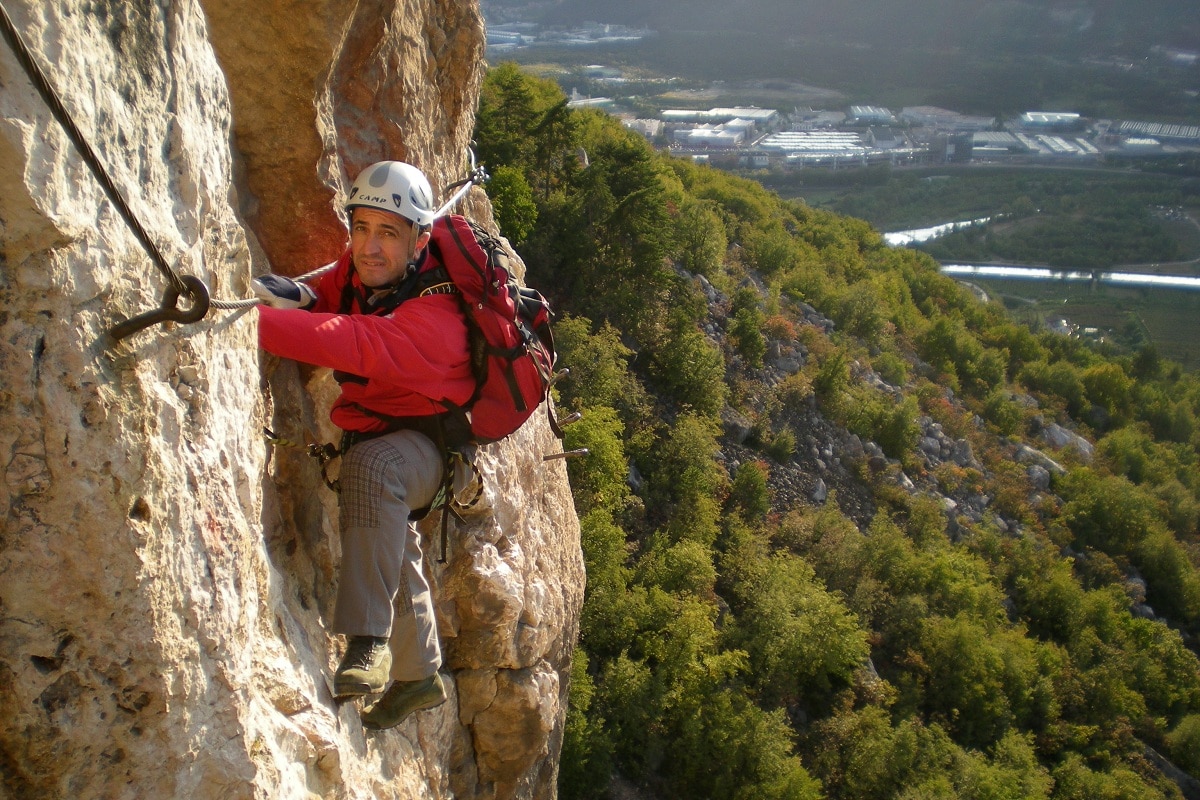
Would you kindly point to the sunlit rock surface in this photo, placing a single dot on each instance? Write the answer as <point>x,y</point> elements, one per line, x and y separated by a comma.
<point>165,576</point>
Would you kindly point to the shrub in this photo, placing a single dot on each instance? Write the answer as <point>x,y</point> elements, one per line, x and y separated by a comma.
<point>782,446</point>
<point>746,333</point>
<point>1184,744</point>
<point>1109,387</point>
<point>833,376</point>
<point>691,370</point>
<point>778,326</point>
<point>748,494</point>
<point>860,312</point>
<point>1000,410</point>
<point>892,368</point>
<point>877,417</point>
<point>1059,381</point>
<point>794,391</point>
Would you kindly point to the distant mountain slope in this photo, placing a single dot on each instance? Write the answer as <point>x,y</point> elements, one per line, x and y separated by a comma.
<point>996,25</point>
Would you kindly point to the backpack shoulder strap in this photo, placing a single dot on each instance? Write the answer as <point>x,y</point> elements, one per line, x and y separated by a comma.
<point>436,281</point>
<point>432,280</point>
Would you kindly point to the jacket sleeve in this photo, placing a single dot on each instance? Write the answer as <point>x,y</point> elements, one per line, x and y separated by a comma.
<point>418,346</point>
<point>329,286</point>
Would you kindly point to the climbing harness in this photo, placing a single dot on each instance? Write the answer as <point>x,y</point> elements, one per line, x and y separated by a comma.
<point>178,285</point>
<point>323,453</point>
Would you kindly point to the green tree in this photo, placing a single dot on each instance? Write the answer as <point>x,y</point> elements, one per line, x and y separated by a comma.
<point>556,140</point>
<point>509,104</point>
<point>701,240</point>
<point>802,641</point>
<point>680,567</point>
<point>586,752</point>
<point>610,611</point>
<point>1107,512</point>
<point>746,333</point>
<point>977,681</point>
<point>599,364</point>
<point>598,479</point>
<point>689,369</point>
<point>512,203</point>
<point>1109,387</point>
<point>684,480</point>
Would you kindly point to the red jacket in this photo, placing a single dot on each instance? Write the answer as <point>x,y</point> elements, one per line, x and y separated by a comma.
<point>410,358</point>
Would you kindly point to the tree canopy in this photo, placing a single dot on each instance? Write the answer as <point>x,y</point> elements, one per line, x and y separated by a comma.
<point>740,641</point>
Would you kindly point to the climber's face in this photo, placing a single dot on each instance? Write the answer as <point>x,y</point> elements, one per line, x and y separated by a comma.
<point>382,244</point>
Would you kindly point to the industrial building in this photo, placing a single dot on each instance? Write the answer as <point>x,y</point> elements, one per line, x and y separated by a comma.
<point>1049,120</point>
<point>1001,144</point>
<point>706,136</point>
<point>1163,132</point>
<point>650,128</point>
<point>994,144</point>
<point>871,115</point>
<point>579,101</point>
<point>945,120</point>
<point>806,119</point>
<point>762,117</point>
<point>828,143</point>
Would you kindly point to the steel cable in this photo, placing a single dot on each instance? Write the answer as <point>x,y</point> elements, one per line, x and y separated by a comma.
<point>40,82</point>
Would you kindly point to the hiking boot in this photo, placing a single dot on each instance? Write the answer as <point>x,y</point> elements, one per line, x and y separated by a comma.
<point>401,699</point>
<point>364,668</point>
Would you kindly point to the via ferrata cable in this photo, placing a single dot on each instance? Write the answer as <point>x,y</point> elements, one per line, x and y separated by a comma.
<point>177,284</point>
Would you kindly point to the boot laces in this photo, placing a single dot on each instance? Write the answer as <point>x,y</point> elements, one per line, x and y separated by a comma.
<point>362,651</point>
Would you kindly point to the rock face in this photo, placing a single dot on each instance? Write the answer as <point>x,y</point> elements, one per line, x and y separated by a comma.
<point>165,577</point>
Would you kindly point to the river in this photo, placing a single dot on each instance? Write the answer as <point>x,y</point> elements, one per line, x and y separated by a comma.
<point>902,238</point>
<point>1009,272</point>
<point>1132,279</point>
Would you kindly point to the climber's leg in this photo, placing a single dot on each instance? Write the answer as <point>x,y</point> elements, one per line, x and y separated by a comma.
<point>382,479</point>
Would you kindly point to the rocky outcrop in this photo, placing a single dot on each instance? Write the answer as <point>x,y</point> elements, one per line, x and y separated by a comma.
<point>165,577</point>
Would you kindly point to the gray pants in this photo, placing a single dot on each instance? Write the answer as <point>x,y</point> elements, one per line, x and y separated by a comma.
<point>382,589</point>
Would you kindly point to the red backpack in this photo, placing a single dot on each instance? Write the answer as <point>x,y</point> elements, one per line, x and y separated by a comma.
<point>512,351</point>
<point>512,347</point>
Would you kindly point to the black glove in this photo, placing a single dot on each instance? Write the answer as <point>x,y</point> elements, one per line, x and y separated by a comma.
<point>280,292</point>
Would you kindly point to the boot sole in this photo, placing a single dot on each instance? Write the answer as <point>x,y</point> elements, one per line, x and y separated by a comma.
<point>433,702</point>
<point>345,691</point>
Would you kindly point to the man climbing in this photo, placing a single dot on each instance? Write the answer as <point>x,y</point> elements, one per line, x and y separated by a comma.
<point>386,321</point>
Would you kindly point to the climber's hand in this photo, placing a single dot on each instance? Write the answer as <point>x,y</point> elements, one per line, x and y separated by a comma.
<point>280,292</point>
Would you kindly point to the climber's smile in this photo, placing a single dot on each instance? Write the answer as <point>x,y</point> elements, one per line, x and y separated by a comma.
<point>383,244</point>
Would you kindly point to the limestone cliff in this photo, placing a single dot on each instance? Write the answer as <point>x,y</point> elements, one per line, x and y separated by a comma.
<point>165,577</point>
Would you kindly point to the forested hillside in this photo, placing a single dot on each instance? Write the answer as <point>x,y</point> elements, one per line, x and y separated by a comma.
<point>849,533</point>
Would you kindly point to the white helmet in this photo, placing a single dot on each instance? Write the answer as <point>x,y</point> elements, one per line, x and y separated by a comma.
<point>396,187</point>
